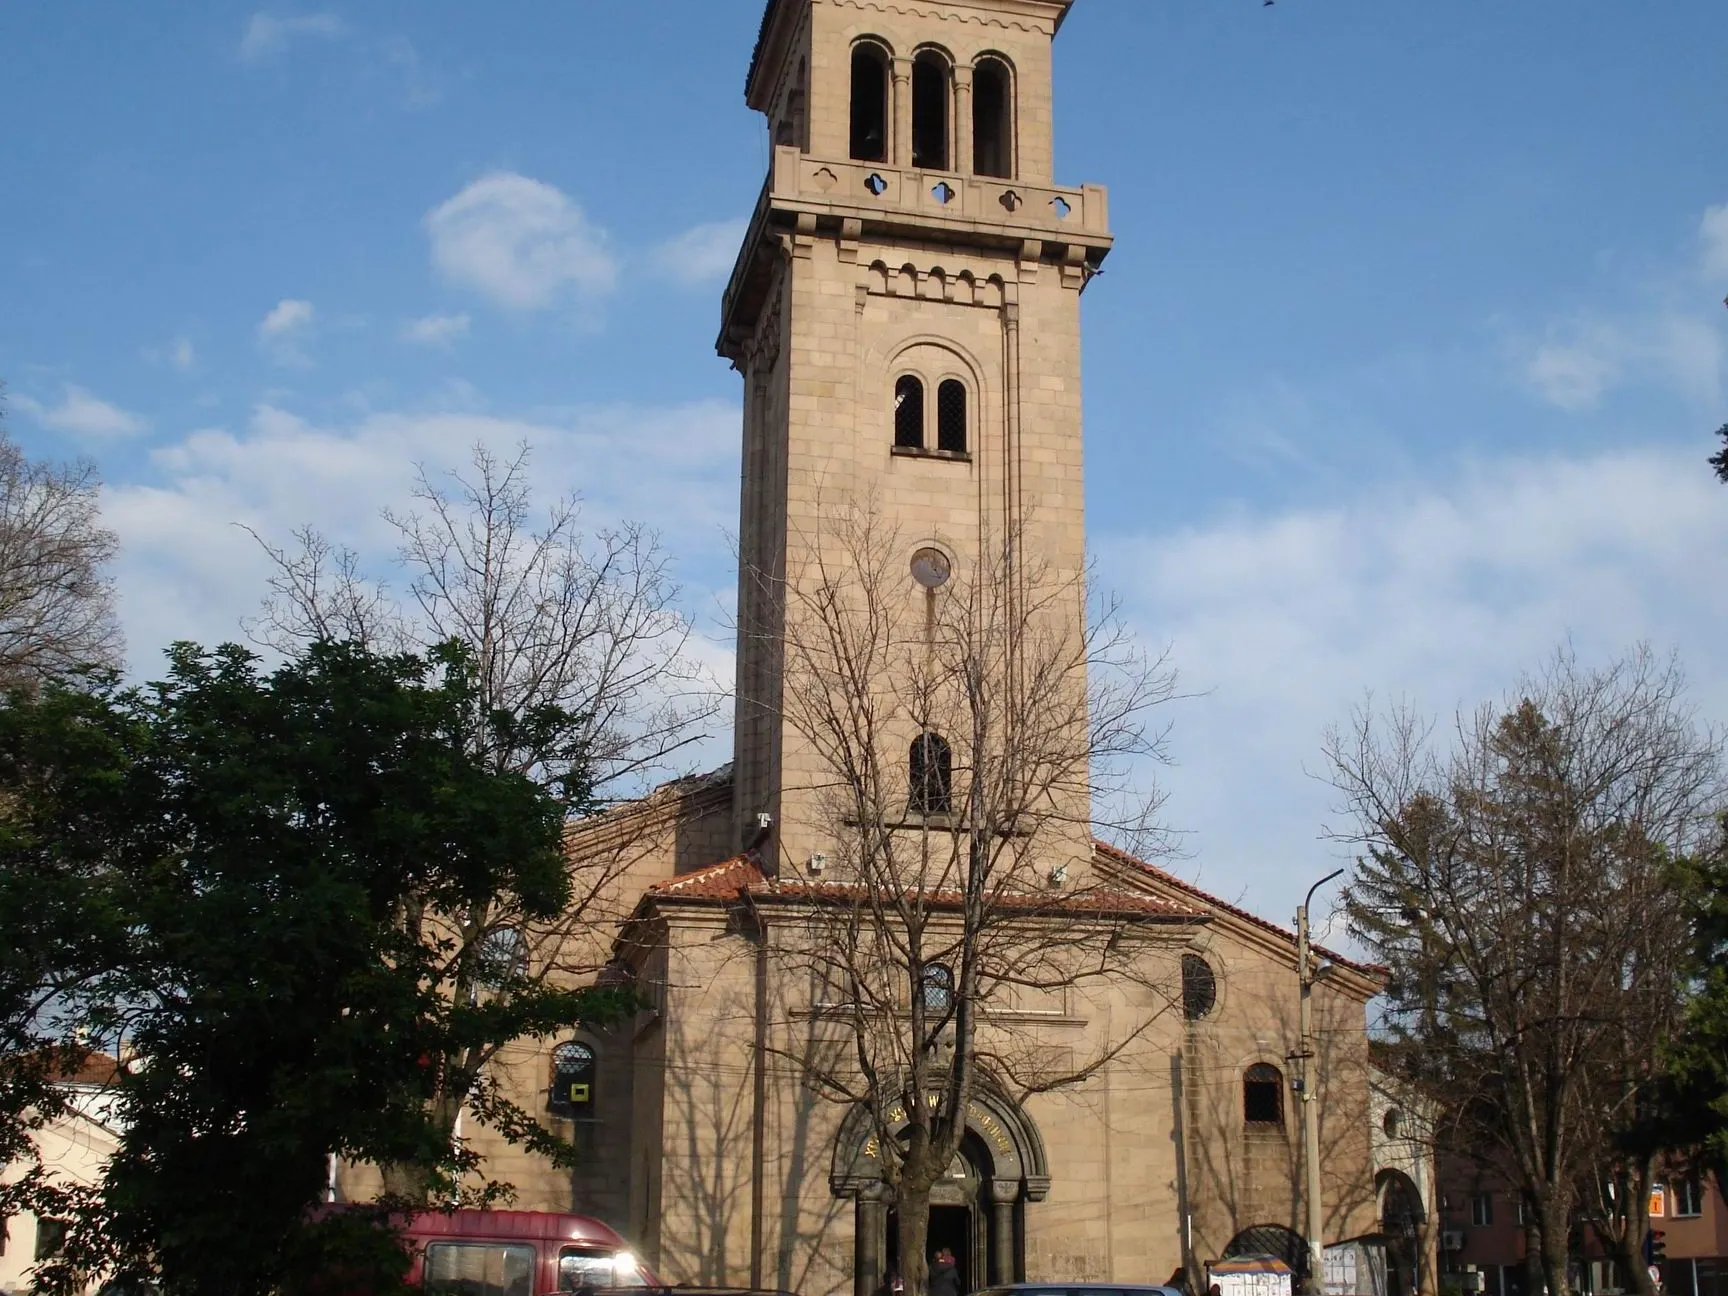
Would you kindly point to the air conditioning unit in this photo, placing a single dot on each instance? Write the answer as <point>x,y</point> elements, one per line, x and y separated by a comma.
<point>1452,1240</point>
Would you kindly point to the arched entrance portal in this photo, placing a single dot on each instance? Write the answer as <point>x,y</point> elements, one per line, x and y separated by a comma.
<point>978,1210</point>
<point>1401,1220</point>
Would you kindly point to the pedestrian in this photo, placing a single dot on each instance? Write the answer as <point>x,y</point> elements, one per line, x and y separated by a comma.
<point>1214,1290</point>
<point>944,1275</point>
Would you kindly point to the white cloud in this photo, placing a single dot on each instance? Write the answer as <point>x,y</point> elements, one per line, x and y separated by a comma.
<point>1713,233</point>
<point>186,571</point>
<point>268,35</point>
<point>1441,594</point>
<point>83,414</point>
<point>703,253</point>
<point>520,242</point>
<point>1584,359</point>
<point>436,330</point>
<point>284,331</point>
<point>1575,376</point>
<point>182,355</point>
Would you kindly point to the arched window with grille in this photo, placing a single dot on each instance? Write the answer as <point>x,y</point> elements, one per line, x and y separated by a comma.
<point>1199,987</point>
<point>932,89</point>
<point>930,772</point>
<point>951,416</point>
<point>909,413</point>
<point>936,988</point>
<point>869,102</point>
<point>1263,1096</point>
<point>992,119</point>
<point>573,1076</point>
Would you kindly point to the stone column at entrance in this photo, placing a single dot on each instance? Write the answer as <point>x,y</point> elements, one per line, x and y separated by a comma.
<point>871,1250</point>
<point>1003,1195</point>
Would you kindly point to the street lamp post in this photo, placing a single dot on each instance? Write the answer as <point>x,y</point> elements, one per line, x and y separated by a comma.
<point>1310,1092</point>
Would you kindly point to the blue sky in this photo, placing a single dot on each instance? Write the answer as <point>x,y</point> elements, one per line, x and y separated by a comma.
<point>1404,368</point>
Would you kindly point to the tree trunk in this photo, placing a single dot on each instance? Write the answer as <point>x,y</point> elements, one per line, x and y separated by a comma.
<point>1535,1280</point>
<point>1555,1260</point>
<point>913,1207</point>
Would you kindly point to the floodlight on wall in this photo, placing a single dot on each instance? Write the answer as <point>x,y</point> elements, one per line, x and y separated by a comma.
<point>817,865</point>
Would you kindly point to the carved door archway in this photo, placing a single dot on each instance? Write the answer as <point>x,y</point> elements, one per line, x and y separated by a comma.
<point>1002,1168</point>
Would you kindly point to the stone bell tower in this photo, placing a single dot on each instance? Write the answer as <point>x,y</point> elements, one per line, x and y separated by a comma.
<point>905,312</point>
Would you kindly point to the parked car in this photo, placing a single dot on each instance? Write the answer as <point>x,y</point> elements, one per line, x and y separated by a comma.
<point>518,1253</point>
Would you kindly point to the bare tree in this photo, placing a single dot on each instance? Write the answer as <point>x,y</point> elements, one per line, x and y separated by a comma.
<point>56,601</point>
<point>586,681</point>
<point>963,884</point>
<point>1519,884</point>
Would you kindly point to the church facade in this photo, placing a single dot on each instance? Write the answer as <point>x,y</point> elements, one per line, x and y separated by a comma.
<point>905,317</point>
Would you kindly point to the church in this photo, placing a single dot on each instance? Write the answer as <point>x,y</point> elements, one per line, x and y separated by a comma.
<point>897,881</point>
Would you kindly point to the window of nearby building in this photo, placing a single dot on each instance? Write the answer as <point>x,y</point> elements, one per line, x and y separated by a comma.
<point>1523,1209</point>
<point>1392,1124</point>
<point>1687,1197</point>
<point>1263,1095</point>
<point>951,416</point>
<point>909,412</point>
<point>931,90</point>
<point>1199,987</point>
<point>50,1237</point>
<point>992,119</point>
<point>938,988</point>
<point>479,1269</point>
<point>930,771</point>
<point>869,102</point>
<point>1482,1209</point>
<point>573,1070</point>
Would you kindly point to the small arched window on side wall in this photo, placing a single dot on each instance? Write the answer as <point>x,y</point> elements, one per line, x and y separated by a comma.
<point>936,988</point>
<point>869,102</point>
<point>1263,1096</point>
<point>951,416</point>
<point>572,1091</point>
<point>930,771</point>
<point>909,412</point>
<point>932,90</point>
<point>992,119</point>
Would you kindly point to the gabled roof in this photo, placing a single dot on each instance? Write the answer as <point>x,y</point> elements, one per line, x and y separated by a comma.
<point>1213,903</point>
<point>741,878</point>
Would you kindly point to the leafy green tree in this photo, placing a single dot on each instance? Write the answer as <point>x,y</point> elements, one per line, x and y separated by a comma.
<point>1520,886</point>
<point>282,851</point>
<point>60,757</point>
<point>1719,460</point>
<point>1697,1113</point>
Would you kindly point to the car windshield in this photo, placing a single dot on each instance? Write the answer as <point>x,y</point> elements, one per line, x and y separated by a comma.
<point>586,1267</point>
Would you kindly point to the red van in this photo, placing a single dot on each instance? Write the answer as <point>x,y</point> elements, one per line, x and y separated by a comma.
<point>518,1253</point>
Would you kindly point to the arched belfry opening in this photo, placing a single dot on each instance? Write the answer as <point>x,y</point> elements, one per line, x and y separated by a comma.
<point>978,1209</point>
<point>869,102</point>
<point>932,92</point>
<point>992,119</point>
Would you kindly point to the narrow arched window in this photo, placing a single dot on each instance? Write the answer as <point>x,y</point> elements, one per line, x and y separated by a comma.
<point>992,119</point>
<point>936,988</point>
<point>930,773</point>
<point>951,416</point>
<point>909,413</point>
<point>931,91</point>
<point>1263,1095</point>
<point>869,103</point>
<point>572,1092</point>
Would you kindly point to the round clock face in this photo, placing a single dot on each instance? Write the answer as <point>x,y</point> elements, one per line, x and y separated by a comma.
<point>930,568</point>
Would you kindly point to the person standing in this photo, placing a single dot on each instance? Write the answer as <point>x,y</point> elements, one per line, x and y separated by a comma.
<point>944,1275</point>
